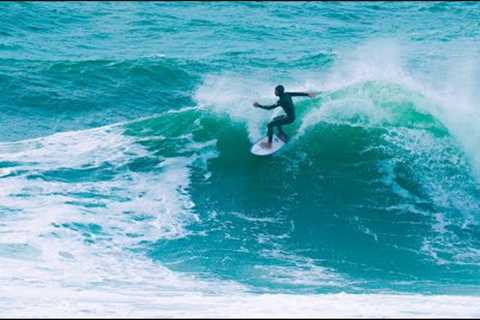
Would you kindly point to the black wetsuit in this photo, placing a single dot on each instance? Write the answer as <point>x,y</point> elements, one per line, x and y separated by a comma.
<point>284,101</point>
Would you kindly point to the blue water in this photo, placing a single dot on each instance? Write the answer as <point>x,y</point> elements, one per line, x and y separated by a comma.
<point>125,136</point>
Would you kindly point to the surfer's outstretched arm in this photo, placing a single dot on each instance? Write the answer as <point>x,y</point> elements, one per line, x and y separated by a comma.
<point>273,106</point>
<point>301,94</point>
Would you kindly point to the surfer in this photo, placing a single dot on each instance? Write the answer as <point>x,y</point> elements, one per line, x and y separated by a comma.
<point>284,101</point>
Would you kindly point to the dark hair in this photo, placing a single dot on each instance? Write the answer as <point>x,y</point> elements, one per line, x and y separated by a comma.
<point>280,89</point>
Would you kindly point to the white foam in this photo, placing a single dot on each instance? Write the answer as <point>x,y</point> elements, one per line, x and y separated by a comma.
<point>43,247</point>
<point>66,303</point>
<point>449,90</point>
<point>353,110</point>
<point>299,271</point>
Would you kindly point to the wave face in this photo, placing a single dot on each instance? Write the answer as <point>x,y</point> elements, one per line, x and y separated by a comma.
<point>126,180</point>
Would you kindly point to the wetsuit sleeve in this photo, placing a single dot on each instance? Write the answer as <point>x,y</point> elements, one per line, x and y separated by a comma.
<point>297,94</point>
<point>273,106</point>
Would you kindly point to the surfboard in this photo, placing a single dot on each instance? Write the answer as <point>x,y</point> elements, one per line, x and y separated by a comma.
<point>258,150</point>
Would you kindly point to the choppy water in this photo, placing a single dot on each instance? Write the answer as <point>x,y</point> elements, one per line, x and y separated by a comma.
<point>127,186</point>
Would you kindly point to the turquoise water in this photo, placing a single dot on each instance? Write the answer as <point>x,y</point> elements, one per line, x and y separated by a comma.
<point>125,137</point>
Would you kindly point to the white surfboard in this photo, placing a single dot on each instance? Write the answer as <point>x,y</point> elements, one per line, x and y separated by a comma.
<point>258,150</point>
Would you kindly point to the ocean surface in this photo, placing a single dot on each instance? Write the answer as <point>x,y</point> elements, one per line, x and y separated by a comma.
<point>127,186</point>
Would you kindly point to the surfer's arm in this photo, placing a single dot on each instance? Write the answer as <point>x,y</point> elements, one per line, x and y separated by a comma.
<point>302,94</point>
<point>273,106</point>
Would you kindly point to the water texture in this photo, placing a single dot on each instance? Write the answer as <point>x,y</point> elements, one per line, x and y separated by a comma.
<point>127,187</point>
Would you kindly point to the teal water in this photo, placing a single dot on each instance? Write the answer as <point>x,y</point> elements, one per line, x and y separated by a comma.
<point>125,136</point>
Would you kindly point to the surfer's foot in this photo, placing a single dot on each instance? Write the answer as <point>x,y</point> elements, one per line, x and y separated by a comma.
<point>266,145</point>
<point>283,137</point>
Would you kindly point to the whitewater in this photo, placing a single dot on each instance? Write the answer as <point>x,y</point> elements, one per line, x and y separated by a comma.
<point>127,188</point>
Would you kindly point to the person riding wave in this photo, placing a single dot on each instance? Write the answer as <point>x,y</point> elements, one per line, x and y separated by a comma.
<point>284,101</point>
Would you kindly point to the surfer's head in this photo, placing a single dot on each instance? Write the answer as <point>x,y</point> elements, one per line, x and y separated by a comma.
<point>279,90</point>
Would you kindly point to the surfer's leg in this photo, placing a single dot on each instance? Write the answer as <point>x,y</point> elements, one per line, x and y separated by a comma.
<point>283,121</point>
<point>270,132</point>
<point>281,134</point>
<point>277,122</point>
<point>268,144</point>
<point>274,123</point>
